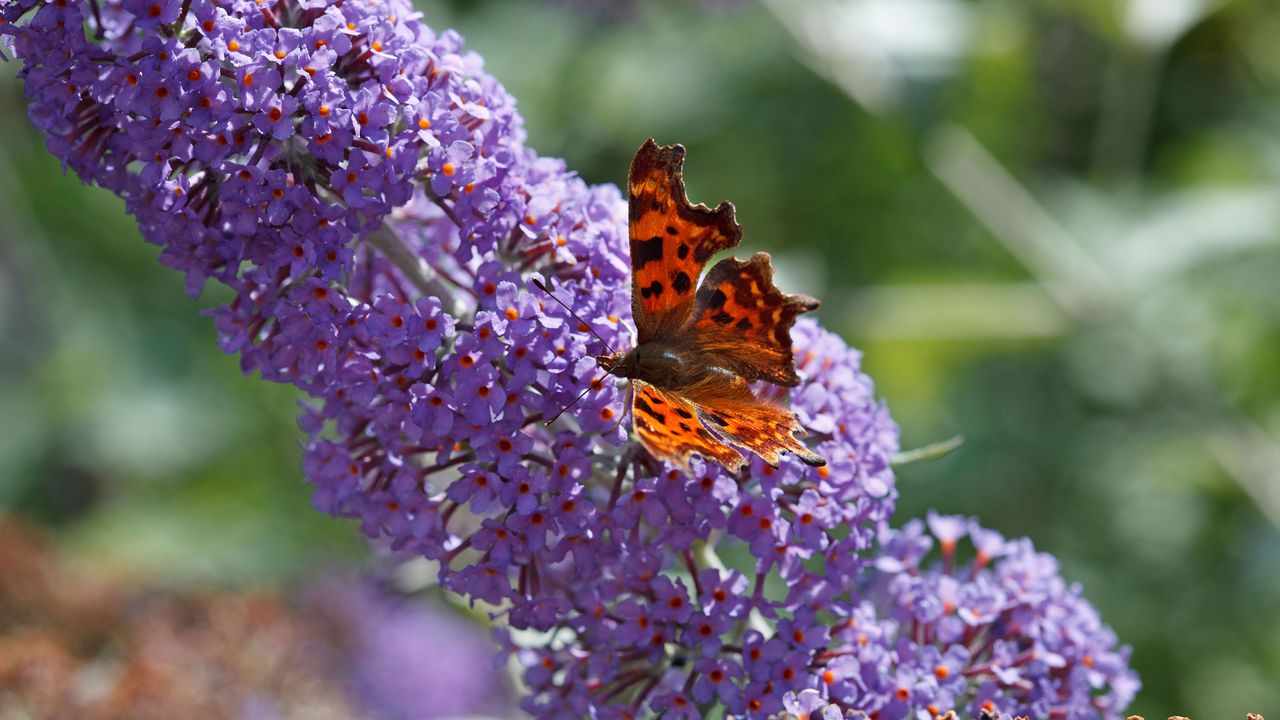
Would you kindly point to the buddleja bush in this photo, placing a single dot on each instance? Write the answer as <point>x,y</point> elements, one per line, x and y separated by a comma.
<point>363,187</point>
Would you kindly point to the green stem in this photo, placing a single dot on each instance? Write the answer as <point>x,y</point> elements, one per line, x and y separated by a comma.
<point>932,451</point>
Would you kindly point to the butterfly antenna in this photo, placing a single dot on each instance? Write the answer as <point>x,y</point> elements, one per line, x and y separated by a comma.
<point>593,385</point>
<point>544,289</point>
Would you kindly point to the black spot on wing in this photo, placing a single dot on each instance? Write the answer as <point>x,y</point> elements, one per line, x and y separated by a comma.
<point>684,413</point>
<point>681,282</point>
<point>653,289</point>
<point>704,250</point>
<point>644,252</point>
<point>722,317</point>
<point>671,230</point>
<point>744,324</point>
<point>643,406</point>
<point>683,251</point>
<point>717,299</point>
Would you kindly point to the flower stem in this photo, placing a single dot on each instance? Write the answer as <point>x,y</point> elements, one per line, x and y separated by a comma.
<point>932,451</point>
<point>415,269</point>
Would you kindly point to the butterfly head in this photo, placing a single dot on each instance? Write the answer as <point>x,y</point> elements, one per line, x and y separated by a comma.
<point>619,363</point>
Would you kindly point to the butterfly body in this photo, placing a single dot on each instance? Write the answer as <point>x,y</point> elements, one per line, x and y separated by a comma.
<point>702,341</point>
<point>666,364</point>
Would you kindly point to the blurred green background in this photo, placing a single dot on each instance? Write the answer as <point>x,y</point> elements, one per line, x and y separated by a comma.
<point>1052,226</point>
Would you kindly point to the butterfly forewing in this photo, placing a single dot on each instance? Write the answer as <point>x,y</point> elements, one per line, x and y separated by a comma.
<point>671,241</point>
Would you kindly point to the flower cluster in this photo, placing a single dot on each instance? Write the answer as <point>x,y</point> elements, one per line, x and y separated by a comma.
<point>283,151</point>
<point>701,633</point>
<point>998,636</point>
<point>1002,636</point>
<point>362,187</point>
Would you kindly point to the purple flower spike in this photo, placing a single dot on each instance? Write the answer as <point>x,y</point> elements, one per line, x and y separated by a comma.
<point>362,187</point>
<point>1004,636</point>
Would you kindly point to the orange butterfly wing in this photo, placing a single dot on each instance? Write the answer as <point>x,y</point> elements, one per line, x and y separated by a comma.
<point>669,426</point>
<point>671,240</point>
<point>710,418</point>
<point>733,412</point>
<point>737,326</point>
<point>744,321</point>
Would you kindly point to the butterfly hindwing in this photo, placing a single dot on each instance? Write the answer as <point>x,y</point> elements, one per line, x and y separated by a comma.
<point>743,321</point>
<point>671,240</point>
<point>669,427</point>
<point>732,411</point>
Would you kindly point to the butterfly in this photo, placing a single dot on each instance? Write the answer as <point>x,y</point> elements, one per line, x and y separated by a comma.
<point>699,346</point>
